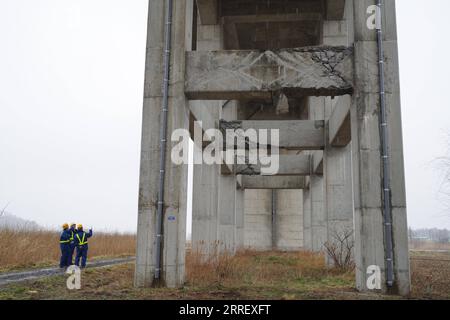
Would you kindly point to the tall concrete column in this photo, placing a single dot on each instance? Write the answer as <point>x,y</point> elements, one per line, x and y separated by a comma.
<point>289,220</point>
<point>204,210</point>
<point>258,219</point>
<point>307,234</point>
<point>227,214</point>
<point>337,160</point>
<point>317,187</point>
<point>226,209</point>
<point>367,158</point>
<point>240,220</point>
<point>205,221</point>
<point>318,213</point>
<point>337,166</point>
<point>174,214</point>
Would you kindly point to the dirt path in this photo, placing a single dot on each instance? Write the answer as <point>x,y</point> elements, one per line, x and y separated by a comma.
<point>13,277</point>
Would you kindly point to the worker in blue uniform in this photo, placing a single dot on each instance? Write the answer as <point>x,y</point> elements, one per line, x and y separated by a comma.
<point>64,243</point>
<point>81,243</point>
<point>73,231</point>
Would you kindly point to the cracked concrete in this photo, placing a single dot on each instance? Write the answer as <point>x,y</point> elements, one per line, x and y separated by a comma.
<point>231,75</point>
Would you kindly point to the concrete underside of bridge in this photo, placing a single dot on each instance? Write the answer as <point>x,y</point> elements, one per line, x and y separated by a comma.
<point>308,68</point>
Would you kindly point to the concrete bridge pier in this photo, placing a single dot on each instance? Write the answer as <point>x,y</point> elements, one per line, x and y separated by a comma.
<point>175,202</point>
<point>317,185</point>
<point>226,209</point>
<point>205,202</point>
<point>337,166</point>
<point>337,161</point>
<point>319,86</point>
<point>307,232</point>
<point>367,157</point>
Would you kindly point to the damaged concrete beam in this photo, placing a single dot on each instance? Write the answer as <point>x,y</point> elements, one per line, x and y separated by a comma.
<point>294,134</point>
<point>234,75</point>
<point>289,165</point>
<point>283,183</point>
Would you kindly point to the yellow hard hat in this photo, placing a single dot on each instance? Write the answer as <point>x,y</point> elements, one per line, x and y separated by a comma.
<point>80,226</point>
<point>65,226</point>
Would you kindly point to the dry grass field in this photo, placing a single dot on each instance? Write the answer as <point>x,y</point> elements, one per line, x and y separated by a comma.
<point>430,274</point>
<point>247,275</point>
<point>26,249</point>
<point>260,269</point>
<point>428,246</point>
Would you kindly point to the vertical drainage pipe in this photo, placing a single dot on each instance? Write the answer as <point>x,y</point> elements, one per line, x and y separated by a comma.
<point>163,136</point>
<point>384,137</point>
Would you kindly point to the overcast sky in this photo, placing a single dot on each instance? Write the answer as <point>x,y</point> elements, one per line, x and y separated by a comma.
<point>71,87</point>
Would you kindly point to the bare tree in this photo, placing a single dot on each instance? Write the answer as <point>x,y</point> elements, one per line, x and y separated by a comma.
<point>340,250</point>
<point>443,166</point>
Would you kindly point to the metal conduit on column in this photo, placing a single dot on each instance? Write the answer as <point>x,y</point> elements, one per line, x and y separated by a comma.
<point>163,138</point>
<point>384,137</point>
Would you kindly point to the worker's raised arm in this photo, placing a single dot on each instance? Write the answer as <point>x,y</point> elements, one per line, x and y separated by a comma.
<point>89,234</point>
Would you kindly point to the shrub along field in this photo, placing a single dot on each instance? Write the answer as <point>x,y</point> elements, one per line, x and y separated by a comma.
<point>24,249</point>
